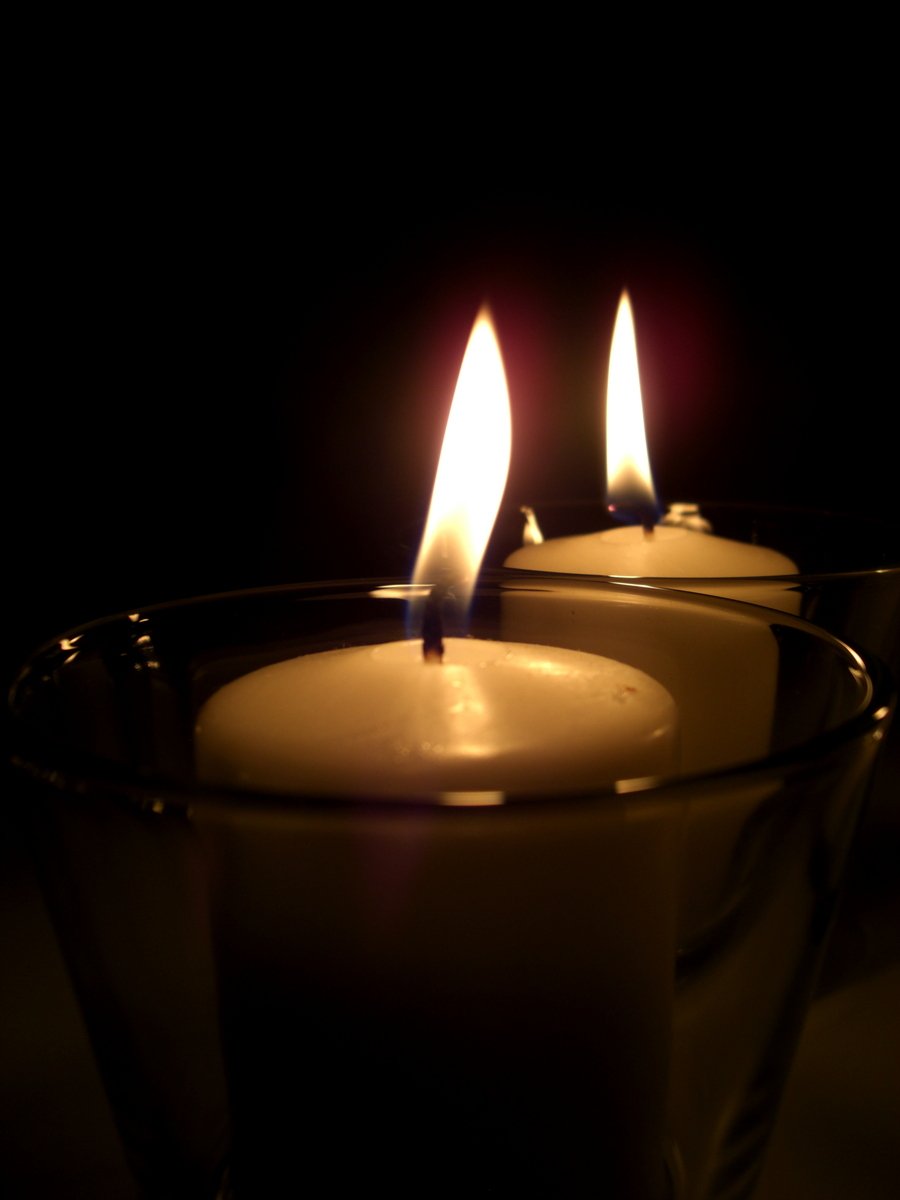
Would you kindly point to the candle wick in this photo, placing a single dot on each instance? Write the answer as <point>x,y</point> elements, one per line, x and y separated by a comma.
<point>433,626</point>
<point>646,514</point>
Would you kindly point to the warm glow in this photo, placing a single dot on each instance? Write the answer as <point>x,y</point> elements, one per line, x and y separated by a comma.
<point>628,480</point>
<point>472,471</point>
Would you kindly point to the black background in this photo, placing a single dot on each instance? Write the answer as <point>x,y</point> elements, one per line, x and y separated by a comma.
<point>241,272</point>
<point>234,343</point>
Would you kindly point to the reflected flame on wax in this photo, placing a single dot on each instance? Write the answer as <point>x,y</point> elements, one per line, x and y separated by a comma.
<point>629,481</point>
<point>472,471</point>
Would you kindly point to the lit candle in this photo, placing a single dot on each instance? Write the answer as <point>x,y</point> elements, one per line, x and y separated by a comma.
<point>675,549</point>
<point>466,989</point>
<point>495,716</point>
<point>725,688</point>
<point>489,716</point>
<point>733,663</point>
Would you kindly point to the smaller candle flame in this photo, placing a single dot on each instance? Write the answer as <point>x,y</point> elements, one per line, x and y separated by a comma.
<point>472,471</point>
<point>630,491</point>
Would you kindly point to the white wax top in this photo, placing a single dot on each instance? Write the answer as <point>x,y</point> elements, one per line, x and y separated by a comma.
<point>493,716</point>
<point>667,552</point>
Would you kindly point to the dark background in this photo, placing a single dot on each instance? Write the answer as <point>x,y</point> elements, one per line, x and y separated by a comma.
<point>234,347</point>
<point>239,290</point>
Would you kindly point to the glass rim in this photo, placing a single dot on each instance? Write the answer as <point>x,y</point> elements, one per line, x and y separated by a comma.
<point>162,793</point>
<point>679,582</point>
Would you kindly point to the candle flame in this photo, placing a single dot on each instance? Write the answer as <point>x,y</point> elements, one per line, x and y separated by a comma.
<point>472,471</point>
<point>629,480</point>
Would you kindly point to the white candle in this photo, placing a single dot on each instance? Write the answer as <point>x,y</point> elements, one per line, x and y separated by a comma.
<point>494,716</point>
<point>732,666</point>
<point>434,951</point>
<point>462,992</point>
<point>490,717</point>
<point>667,552</point>
<point>676,556</point>
<point>647,550</point>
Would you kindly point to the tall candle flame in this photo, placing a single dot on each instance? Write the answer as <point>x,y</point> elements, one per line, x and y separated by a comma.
<point>472,471</point>
<point>629,480</point>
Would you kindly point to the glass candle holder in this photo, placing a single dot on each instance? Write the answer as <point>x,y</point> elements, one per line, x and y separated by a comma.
<point>846,579</point>
<point>574,992</point>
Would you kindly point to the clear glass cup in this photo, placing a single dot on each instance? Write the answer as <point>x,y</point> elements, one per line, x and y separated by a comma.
<point>848,582</point>
<point>492,995</point>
